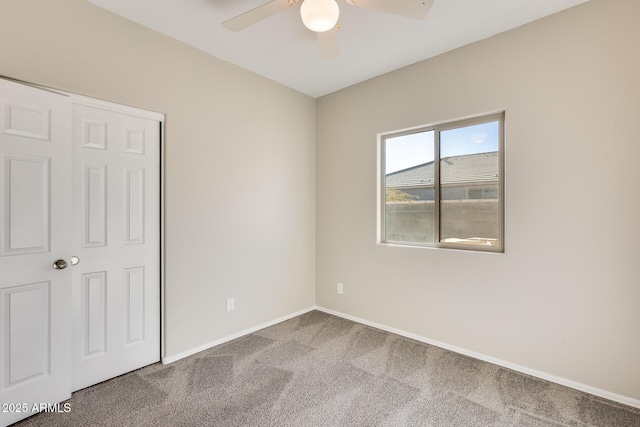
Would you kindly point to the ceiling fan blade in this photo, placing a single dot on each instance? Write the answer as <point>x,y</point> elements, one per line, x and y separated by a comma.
<point>241,22</point>
<point>416,9</point>
<point>328,42</point>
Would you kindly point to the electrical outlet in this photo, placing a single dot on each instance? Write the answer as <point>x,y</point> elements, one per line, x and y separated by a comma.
<point>231,305</point>
<point>340,288</point>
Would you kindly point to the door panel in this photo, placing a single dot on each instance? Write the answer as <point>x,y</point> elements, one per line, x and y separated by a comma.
<point>134,305</point>
<point>35,207</point>
<point>26,313</point>
<point>116,285</point>
<point>94,312</point>
<point>26,204</point>
<point>94,200</point>
<point>134,206</point>
<point>29,121</point>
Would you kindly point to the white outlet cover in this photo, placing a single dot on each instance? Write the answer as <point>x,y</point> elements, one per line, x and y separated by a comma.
<point>340,288</point>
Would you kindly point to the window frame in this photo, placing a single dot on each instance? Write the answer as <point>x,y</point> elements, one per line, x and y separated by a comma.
<point>437,129</point>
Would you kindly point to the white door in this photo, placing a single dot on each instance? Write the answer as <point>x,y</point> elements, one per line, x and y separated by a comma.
<point>116,211</point>
<point>79,181</point>
<point>35,212</point>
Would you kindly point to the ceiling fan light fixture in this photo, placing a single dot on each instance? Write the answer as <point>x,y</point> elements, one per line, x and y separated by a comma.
<point>319,15</point>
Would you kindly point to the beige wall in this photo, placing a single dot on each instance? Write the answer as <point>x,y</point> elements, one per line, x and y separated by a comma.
<point>240,184</point>
<point>565,297</point>
<point>240,160</point>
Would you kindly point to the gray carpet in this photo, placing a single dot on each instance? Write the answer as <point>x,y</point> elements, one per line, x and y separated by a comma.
<point>321,370</point>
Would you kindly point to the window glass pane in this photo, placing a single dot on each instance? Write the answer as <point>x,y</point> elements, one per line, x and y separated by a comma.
<point>409,188</point>
<point>470,177</point>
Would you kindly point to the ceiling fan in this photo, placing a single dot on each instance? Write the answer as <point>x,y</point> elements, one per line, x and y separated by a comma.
<point>321,16</point>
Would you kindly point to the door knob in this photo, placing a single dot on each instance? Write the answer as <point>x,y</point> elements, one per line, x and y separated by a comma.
<point>60,264</point>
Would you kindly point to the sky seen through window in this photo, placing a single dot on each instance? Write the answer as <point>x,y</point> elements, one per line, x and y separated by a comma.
<point>406,151</point>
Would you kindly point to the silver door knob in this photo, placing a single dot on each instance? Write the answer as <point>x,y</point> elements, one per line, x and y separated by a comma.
<point>60,264</point>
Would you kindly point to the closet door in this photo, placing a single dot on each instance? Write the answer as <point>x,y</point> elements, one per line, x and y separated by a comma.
<point>116,211</point>
<point>35,247</point>
<point>79,245</point>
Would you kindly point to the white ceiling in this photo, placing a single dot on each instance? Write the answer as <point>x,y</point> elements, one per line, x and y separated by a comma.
<point>371,42</point>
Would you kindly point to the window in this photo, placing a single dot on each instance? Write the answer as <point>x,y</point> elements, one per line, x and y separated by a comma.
<point>443,185</point>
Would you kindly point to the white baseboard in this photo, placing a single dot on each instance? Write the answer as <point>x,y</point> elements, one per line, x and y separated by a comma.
<point>175,358</point>
<point>523,369</point>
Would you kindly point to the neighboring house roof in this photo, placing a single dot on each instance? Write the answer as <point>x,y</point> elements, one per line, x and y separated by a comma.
<point>470,168</point>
